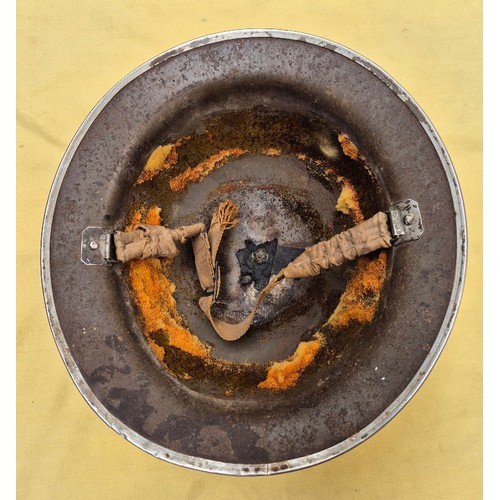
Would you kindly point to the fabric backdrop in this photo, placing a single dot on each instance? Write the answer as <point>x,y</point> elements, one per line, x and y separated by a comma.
<point>69,54</point>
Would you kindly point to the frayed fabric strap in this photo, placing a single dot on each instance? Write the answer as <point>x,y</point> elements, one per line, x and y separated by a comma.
<point>146,241</point>
<point>364,238</point>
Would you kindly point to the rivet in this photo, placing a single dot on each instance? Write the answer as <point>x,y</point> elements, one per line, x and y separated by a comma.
<point>408,219</point>
<point>260,256</point>
<point>93,245</point>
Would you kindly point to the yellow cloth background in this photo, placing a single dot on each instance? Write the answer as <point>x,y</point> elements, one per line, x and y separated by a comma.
<point>69,53</point>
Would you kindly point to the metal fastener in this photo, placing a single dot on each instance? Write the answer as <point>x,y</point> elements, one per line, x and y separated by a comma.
<point>93,245</point>
<point>260,256</point>
<point>408,219</point>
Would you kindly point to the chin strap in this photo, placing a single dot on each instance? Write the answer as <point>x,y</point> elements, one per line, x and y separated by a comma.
<point>157,241</point>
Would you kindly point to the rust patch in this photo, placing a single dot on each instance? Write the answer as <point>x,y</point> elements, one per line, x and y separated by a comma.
<point>200,171</point>
<point>349,148</point>
<point>360,300</point>
<point>348,201</point>
<point>162,158</point>
<point>282,375</point>
<point>154,296</point>
<point>150,216</point>
<point>272,152</point>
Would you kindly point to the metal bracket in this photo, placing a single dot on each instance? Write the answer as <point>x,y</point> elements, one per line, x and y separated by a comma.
<point>97,247</point>
<point>405,222</point>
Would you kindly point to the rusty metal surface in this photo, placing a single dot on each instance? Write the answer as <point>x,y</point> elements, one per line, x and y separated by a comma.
<point>92,315</point>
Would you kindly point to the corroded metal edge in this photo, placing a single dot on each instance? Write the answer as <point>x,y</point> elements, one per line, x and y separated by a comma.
<point>441,339</point>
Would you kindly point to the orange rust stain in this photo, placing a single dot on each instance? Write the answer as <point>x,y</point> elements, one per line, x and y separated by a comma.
<point>135,219</point>
<point>162,158</point>
<point>329,171</point>
<point>151,216</point>
<point>348,201</point>
<point>360,299</point>
<point>154,296</point>
<point>272,152</point>
<point>282,375</point>
<point>200,171</point>
<point>348,147</point>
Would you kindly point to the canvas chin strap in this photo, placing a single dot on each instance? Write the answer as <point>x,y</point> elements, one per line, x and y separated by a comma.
<point>157,241</point>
